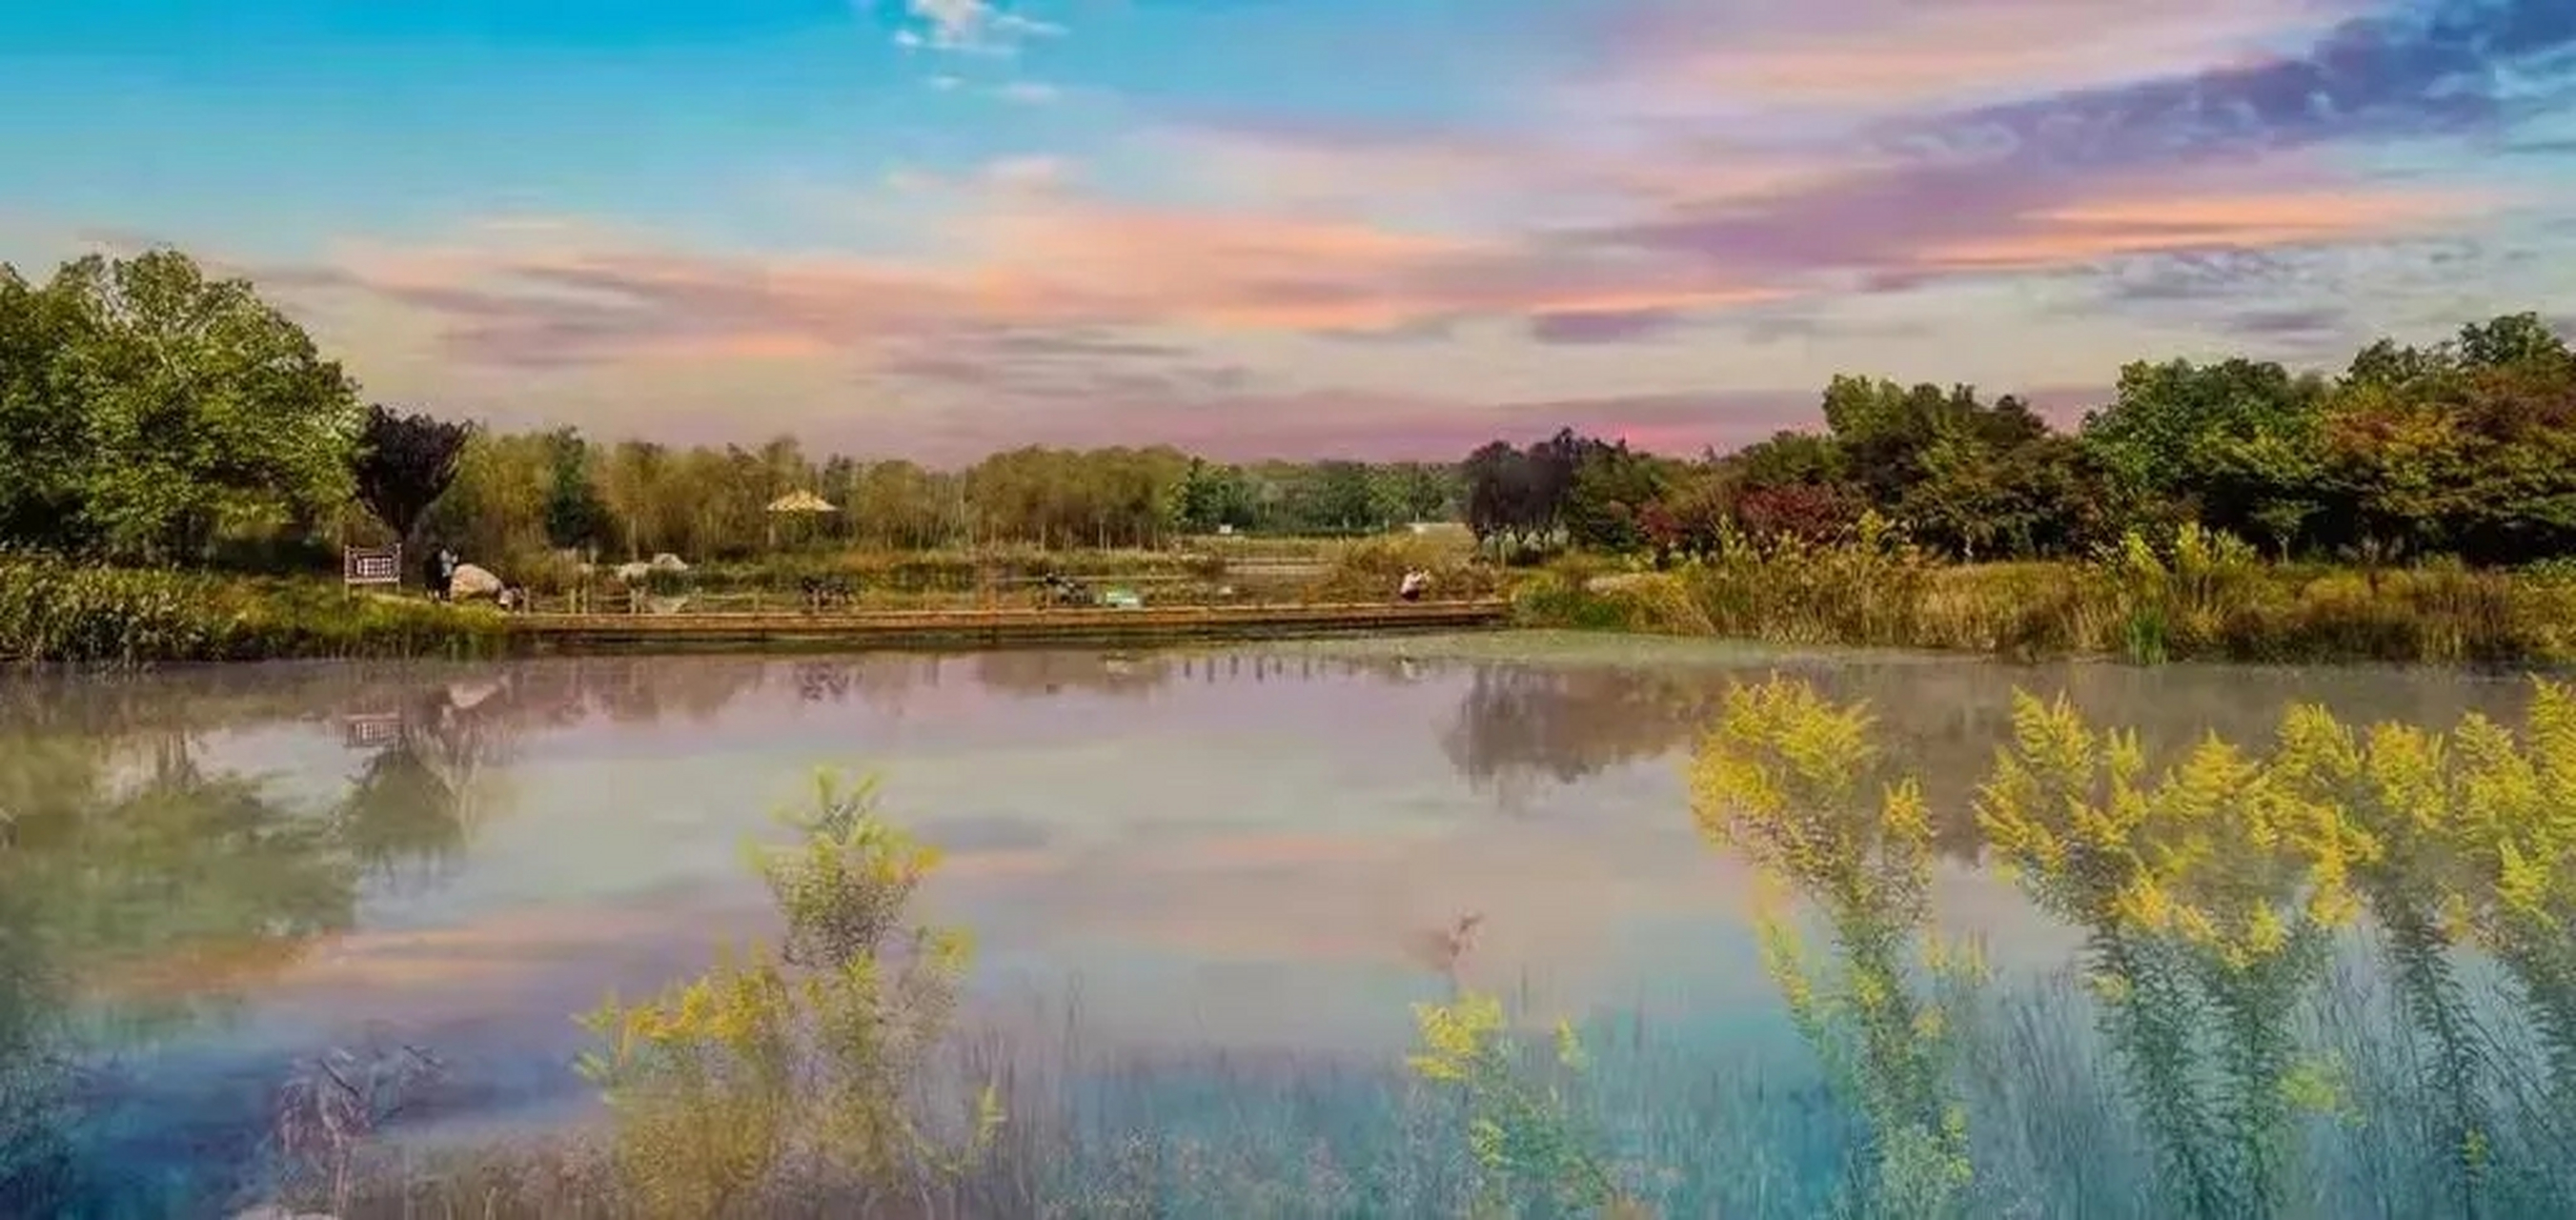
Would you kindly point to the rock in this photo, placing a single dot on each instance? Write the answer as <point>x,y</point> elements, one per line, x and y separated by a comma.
<point>472,582</point>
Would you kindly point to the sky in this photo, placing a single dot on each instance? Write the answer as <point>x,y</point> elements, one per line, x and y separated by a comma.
<point>1392,228</point>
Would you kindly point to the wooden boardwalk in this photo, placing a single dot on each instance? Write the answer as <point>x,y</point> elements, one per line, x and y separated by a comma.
<point>1019,625</point>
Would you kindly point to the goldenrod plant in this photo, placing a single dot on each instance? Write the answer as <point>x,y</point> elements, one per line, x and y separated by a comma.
<point>2206,893</point>
<point>1787,777</point>
<point>1525,1134</point>
<point>2400,786</point>
<point>800,1068</point>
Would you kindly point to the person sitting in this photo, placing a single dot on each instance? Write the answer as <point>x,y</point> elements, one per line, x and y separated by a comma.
<point>1415,582</point>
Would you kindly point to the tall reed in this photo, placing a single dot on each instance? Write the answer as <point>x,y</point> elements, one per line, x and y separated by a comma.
<point>2195,595</point>
<point>54,611</point>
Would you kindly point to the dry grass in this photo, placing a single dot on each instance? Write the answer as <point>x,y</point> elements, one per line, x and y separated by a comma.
<point>2218,607</point>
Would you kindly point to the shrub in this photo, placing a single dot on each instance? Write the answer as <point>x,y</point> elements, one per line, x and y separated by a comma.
<point>57,612</point>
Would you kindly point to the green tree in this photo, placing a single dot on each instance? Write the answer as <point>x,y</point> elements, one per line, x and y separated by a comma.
<point>2510,339</point>
<point>42,465</point>
<point>2173,423</point>
<point>201,405</point>
<point>1605,509</point>
<point>576,515</point>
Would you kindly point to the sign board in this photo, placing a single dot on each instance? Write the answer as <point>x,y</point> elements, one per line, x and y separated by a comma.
<point>371,565</point>
<point>371,730</point>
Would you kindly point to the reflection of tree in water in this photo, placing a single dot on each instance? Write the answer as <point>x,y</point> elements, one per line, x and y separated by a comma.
<point>401,810</point>
<point>637,690</point>
<point>138,891</point>
<point>885,681</point>
<point>1024,674</point>
<point>1569,724</point>
<point>1941,721</point>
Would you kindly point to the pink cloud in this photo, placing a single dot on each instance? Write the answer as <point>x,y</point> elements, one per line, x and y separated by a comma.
<point>1865,56</point>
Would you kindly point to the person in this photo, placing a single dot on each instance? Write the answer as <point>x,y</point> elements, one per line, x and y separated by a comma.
<point>438,570</point>
<point>1415,581</point>
<point>447,565</point>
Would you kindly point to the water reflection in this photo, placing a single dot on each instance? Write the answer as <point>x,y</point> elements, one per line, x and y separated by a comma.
<point>210,876</point>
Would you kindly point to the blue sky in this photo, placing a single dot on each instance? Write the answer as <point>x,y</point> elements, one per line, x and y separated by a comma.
<point>937,227</point>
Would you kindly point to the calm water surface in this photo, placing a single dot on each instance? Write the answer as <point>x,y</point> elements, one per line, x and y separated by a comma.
<point>209,875</point>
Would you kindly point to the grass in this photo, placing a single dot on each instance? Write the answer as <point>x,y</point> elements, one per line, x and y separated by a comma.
<point>1695,1119</point>
<point>1205,570</point>
<point>54,612</point>
<point>2195,597</point>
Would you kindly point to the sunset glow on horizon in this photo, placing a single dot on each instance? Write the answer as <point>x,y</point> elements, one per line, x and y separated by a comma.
<point>939,228</point>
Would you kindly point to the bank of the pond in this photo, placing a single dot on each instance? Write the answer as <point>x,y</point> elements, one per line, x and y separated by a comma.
<point>53,613</point>
<point>61,613</point>
<point>2142,612</point>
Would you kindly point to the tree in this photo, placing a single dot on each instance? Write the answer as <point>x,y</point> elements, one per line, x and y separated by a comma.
<point>2510,339</point>
<point>404,464</point>
<point>1342,498</point>
<point>1612,487</point>
<point>2172,422</point>
<point>1499,490</point>
<point>1422,491</point>
<point>1214,496</point>
<point>44,460</point>
<point>576,515</point>
<point>201,405</point>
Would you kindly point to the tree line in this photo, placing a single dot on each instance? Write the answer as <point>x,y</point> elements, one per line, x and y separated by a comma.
<point>2465,448</point>
<point>516,492</point>
<point>152,413</point>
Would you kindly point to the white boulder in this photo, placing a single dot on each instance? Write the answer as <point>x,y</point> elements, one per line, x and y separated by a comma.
<point>471,582</point>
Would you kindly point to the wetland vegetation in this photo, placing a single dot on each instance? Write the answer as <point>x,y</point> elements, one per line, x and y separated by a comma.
<point>2292,945</point>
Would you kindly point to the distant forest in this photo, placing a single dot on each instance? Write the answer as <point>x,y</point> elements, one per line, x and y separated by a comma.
<point>149,413</point>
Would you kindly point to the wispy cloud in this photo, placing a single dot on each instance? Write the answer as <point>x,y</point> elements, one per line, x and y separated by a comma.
<point>2421,69</point>
<point>1864,57</point>
<point>1239,256</point>
<point>974,27</point>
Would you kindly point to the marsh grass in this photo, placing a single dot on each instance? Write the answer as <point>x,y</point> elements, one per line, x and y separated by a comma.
<point>1691,1117</point>
<point>2196,595</point>
<point>57,612</point>
<point>1368,569</point>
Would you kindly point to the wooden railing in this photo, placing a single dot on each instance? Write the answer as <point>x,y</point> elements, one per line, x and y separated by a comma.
<point>1020,623</point>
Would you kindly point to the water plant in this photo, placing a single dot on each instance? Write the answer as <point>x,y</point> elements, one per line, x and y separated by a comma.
<point>2205,894</point>
<point>2196,594</point>
<point>804,1067</point>
<point>1530,1149</point>
<point>1784,777</point>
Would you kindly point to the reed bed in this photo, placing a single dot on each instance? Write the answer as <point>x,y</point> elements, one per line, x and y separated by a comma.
<point>58,612</point>
<point>2197,596</point>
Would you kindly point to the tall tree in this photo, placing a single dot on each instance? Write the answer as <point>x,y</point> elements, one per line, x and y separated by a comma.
<point>576,515</point>
<point>203,405</point>
<point>405,463</point>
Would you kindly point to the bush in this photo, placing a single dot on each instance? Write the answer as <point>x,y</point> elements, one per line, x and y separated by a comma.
<point>2197,596</point>
<point>56,612</point>
<point>1370,569</point>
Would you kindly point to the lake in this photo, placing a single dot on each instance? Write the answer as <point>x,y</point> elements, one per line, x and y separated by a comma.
<point>1205,890</point>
